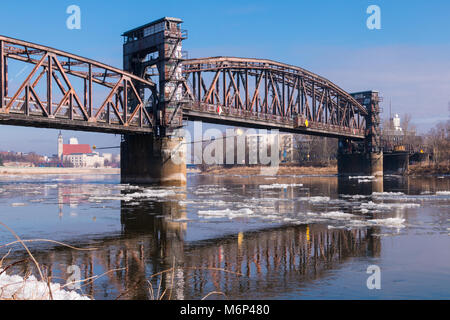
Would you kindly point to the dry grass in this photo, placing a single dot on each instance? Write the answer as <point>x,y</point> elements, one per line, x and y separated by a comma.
<point>47,295</point>
<point>429,168</point>
<point>155,293</point>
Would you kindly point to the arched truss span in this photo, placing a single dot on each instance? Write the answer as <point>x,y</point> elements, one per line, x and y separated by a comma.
<point>57,89</point>
<point>268,94</point>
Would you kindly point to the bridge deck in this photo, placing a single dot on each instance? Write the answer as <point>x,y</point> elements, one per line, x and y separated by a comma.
<point>77,123</point>
<point>208,114</point>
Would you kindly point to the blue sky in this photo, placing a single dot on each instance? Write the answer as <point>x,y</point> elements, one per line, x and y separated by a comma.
<point>407,60</point>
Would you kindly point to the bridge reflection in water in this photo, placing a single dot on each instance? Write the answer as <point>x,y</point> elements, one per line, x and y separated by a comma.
<point>258,264</point>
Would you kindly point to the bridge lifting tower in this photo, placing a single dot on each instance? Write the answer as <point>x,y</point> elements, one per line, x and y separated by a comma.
<point>153,51</point>
<point>365,157</point>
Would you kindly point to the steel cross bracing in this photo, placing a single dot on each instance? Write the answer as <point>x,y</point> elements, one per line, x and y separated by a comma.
<point>65,91</point>
<point>268,94</point>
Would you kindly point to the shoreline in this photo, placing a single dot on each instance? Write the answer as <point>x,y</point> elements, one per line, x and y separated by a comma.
<point>46,170</point>
<point>282,170</point>
<point>414,170</point>
<point>429,169</point>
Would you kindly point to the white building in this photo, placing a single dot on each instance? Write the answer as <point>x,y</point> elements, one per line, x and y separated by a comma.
<point>86,160</point>
<point>79,155</point>
<point>256,142</point>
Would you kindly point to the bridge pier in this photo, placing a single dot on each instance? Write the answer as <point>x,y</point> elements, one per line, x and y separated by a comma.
<point>396,162</point>
<point>146,159</point>
<point>361,164</point>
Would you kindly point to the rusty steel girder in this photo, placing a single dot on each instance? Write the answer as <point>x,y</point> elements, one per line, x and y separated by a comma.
<point>269,94</point>
<point>49,97</point>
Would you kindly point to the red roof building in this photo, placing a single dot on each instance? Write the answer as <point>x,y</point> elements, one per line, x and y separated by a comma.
<point>69,149</point>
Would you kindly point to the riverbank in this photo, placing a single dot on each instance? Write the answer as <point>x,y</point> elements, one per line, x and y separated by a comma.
<point>414,170</point>
<point>429,169</point>
<point>38,171</point>
<point>282,170</point>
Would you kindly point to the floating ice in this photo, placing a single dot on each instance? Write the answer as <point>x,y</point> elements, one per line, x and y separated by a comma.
<point>16,287</point>
<point>152,193</point>
<point>361,177</point>
<point>400,196</point>
<point>18,204</point>
<point>337,215</point>
<point>381,194</point>
<point>53,186</point>
<point>245,212</point>
<point>387,222</point>
<point>315,199</point>
<point>387,206</point>
<point>279,186</point>
<point>145,194</point>
<point>353,196</point>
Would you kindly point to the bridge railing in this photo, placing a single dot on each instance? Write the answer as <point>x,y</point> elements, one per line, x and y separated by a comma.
<point>292,122</point>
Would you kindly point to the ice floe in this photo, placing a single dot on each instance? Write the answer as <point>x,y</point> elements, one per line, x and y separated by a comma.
<point>280,186</point>
<point>353,196</point>
<point>337,215</point>
<point>226,213</point>
<point>387,222</point>
<point>145,194</point>
<point>387,206</point>
<point>18,288</point>
<point>424,196</point>
<point>314,199</point>
<point>18,204</point>
<point>362,177</point>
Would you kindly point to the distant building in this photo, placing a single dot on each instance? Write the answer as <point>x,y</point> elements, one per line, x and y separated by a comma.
<point>262,141</point>
<point>394,137</point>
<point>79,155</point>
<point>86,160</point>
<point>287,147</point>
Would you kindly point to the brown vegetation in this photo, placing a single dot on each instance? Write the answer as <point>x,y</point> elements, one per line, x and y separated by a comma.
<point>282,170</point>
<point>429,169</point>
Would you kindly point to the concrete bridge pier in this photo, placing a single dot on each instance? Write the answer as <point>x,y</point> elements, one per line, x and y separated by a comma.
<point>146,159</point>
<point>361,164</point>
<point>376,164</point>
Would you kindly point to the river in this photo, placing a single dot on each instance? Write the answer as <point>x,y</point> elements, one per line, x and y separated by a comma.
<point>239,237</point>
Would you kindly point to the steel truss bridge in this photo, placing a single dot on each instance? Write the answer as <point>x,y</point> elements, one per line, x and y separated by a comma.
<point>65,91</point>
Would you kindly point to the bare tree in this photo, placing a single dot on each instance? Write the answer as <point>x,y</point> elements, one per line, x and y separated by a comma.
<point>438,139</point>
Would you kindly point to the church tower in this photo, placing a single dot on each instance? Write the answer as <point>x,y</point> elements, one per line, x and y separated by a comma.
<point>60,146</point>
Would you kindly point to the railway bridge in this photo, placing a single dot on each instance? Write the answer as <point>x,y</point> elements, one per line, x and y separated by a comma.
<point>159,89</point>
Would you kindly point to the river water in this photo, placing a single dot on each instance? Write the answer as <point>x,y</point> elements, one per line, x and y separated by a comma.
<point>243,237</point>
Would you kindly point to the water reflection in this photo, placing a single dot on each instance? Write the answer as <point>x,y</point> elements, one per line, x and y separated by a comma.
<point>271,261</point>
<point>256,264</point>
<point>360,185</point>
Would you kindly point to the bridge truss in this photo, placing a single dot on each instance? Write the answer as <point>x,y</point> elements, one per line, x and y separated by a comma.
<point>268,94</point>
<point>66,91</point>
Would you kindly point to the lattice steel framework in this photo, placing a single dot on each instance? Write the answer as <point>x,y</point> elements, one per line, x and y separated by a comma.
<point>236,91</point>
<point>264,93</point>
<point>68,86</point>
